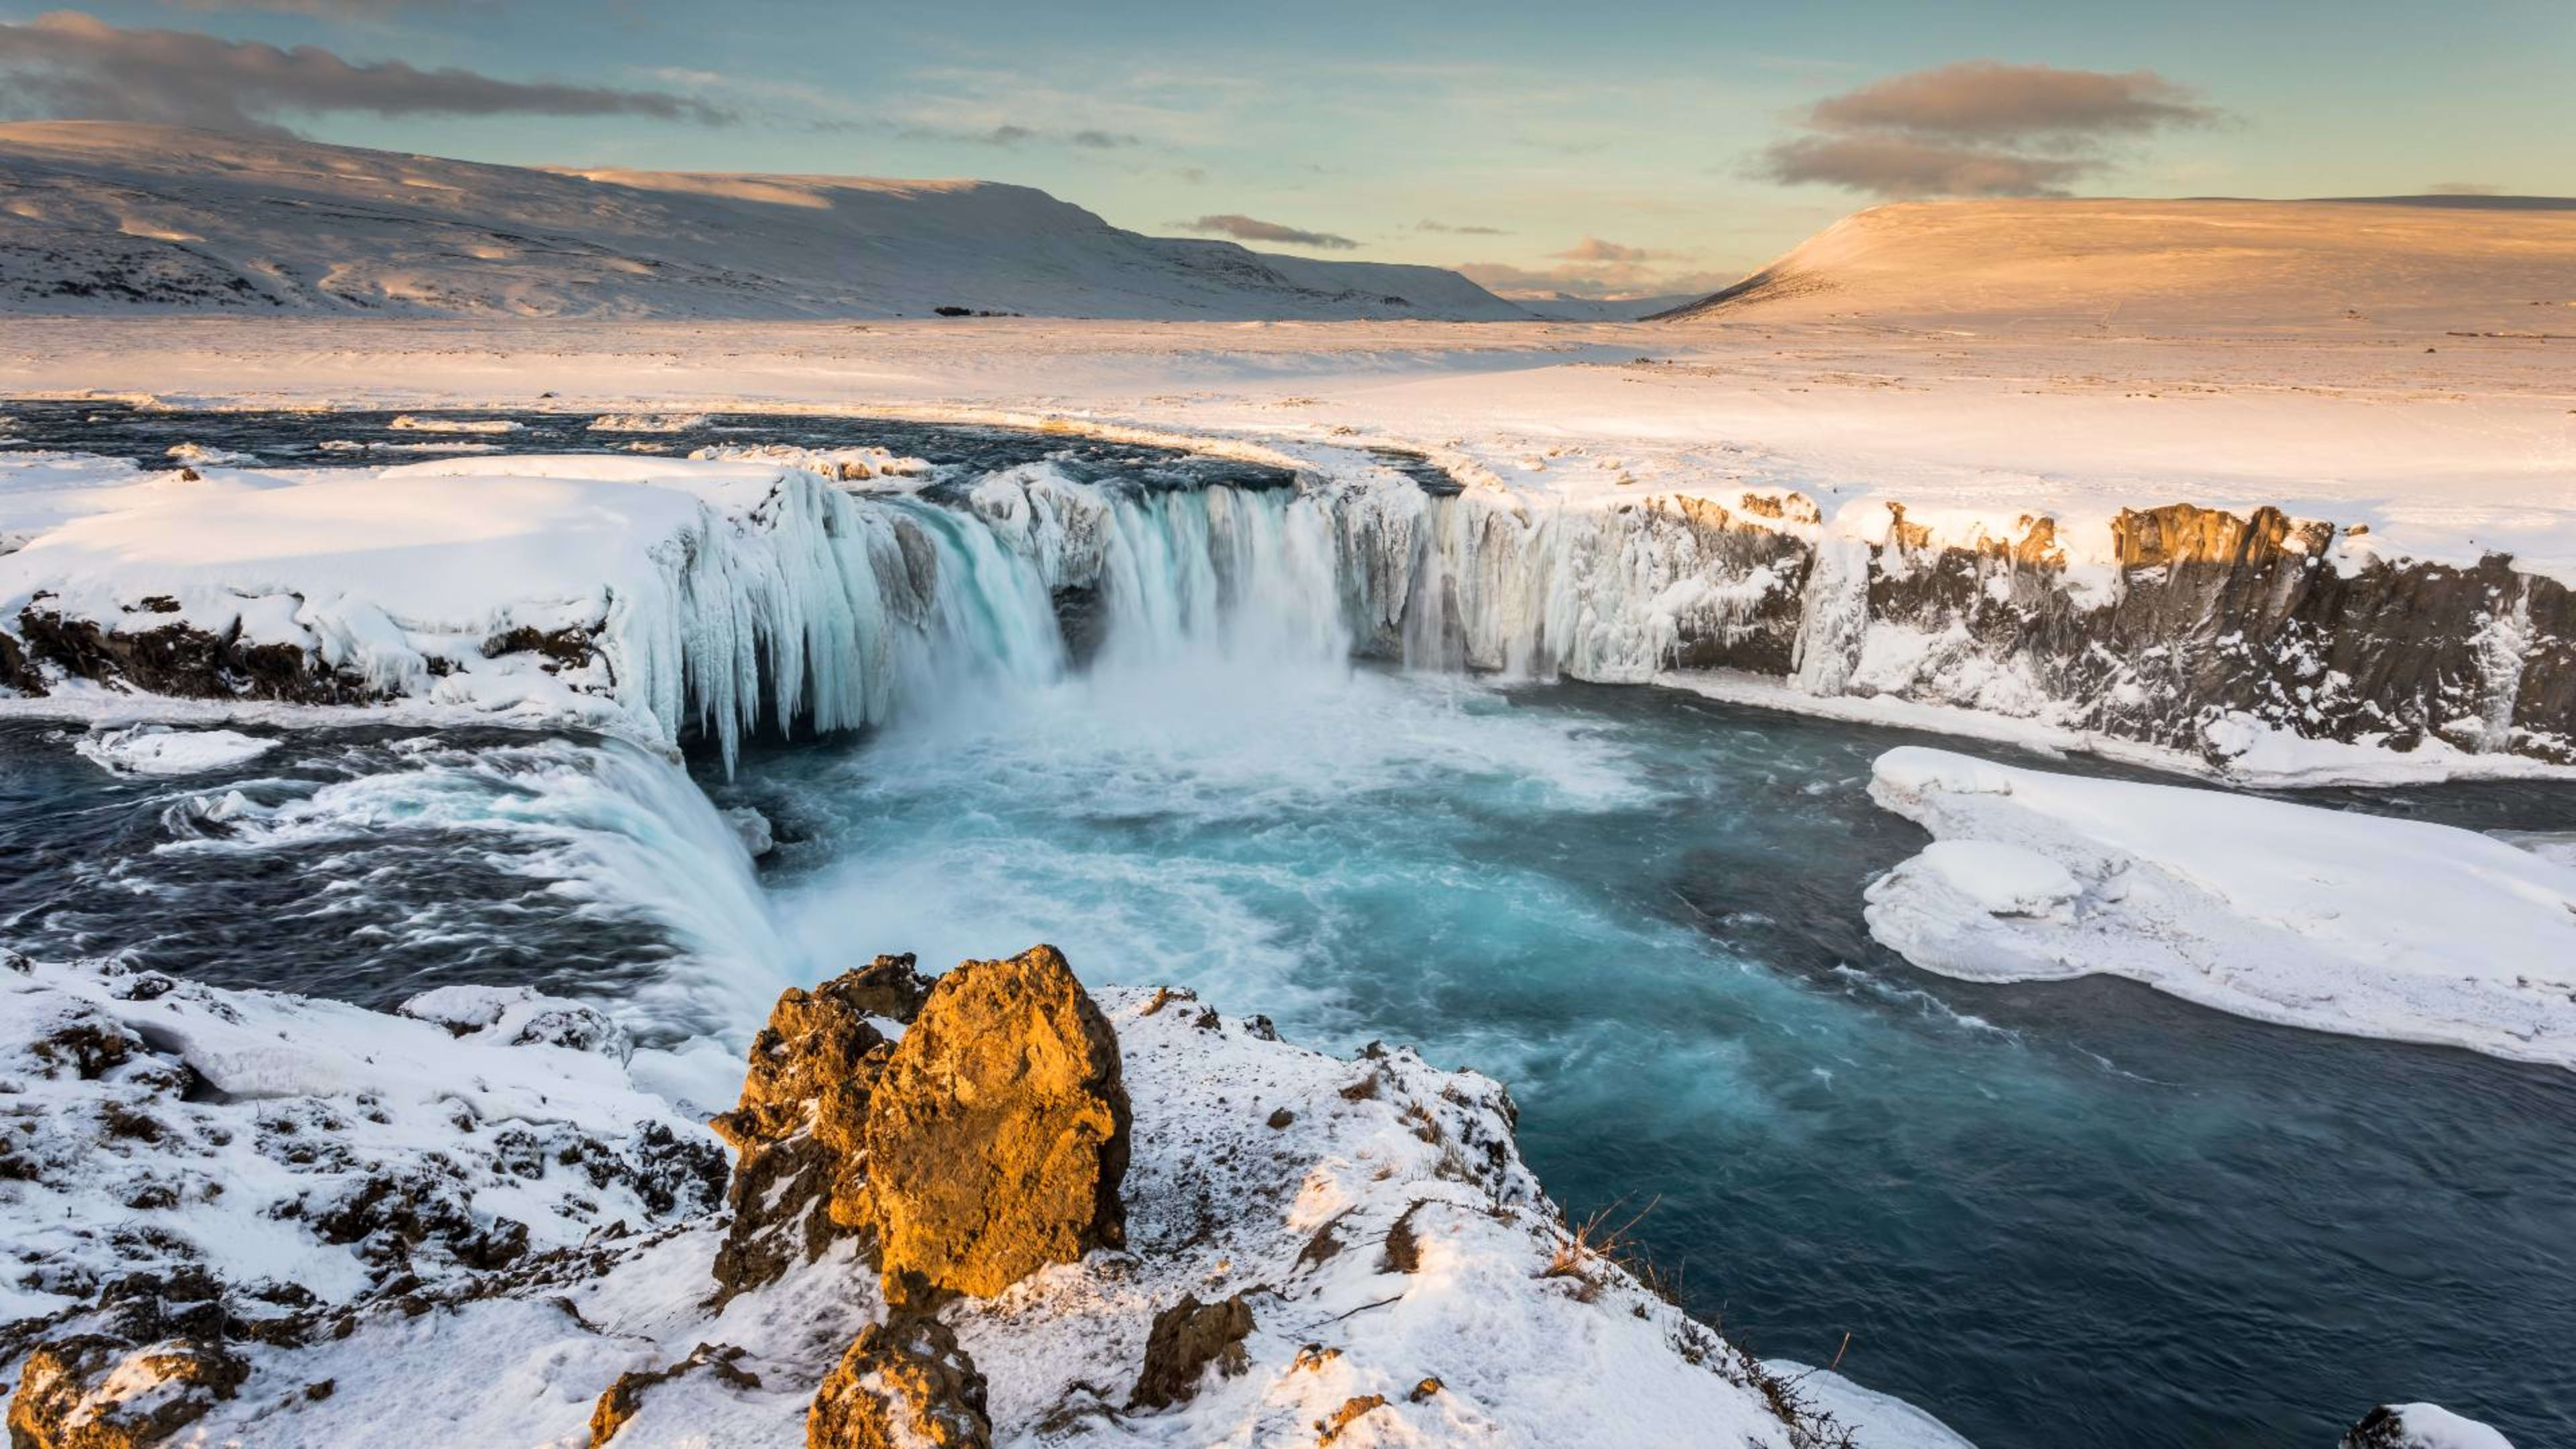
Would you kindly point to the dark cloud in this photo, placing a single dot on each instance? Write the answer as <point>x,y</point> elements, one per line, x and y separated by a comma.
<point>1246,228</point>
<point>1978,128</point>
<point>1442,226</point>
<point>73,65</point>
<point>1105,140</point>
<point>1985,100</point>
<point>1900,166</point>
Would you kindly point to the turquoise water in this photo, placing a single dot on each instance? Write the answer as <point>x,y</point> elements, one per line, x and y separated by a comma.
<point>2069,1213</point>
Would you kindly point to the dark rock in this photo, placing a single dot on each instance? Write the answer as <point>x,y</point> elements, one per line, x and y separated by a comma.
<point>621,1400</point>
<point>1328,1430</point>
<point>997,1137</point>
<point>97,1391</point>
<point>902,1385</point>
<point>1185,1339</point>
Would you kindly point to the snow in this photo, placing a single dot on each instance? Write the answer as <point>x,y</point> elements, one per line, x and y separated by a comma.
<point>120,218</point>
<point>2430,1426</point>
<point>150,749</point>
<point>2131,267</point>
<point>1533,1342</point>
<point>1877,1421</point>
<point>2285,913</point>
<point>390,1093</point>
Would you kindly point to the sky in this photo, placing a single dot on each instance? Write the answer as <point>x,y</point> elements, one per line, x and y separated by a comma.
<point>1621,147</point>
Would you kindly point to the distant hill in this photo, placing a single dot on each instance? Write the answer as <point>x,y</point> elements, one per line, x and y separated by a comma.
<point>2475,263</point>
<point>99,216</point>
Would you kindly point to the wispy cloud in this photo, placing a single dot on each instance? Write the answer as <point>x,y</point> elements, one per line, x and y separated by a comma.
<point>1253,229</point>
<point>2463,188</point>
<point>1978,128</point>
<point>1445,227</point>
<point>72,65</point>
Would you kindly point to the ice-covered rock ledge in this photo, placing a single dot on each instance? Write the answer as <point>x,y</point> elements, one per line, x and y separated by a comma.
<point>246,1218</point>
<point>2327,919</point>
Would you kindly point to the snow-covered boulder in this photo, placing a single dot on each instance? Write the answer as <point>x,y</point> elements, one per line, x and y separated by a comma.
<point>2420,1426</point>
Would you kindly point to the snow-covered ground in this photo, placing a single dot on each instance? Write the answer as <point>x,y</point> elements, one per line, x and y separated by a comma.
<point>2444,457</point>
<point>347,1184</point>
<point>2353,267</point>
<point>118,217</point>
<point>2281,912</point>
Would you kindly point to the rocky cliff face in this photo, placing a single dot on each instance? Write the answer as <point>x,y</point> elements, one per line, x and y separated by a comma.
<point>2189,628</point>
<point>2185,628</point>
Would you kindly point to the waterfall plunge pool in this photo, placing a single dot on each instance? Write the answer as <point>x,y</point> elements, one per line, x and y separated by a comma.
<point>2051,1213</point>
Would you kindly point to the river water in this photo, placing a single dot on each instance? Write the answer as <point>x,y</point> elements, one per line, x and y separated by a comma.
<point>2058,1213</point>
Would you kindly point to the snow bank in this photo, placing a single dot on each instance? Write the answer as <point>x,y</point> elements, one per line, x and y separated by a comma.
<point>2286,913</point>
<point>149,749</point>
<point>648,422</point>
<point>151,1123</point>
<point>1402,1266</point>
<point>407,423</point>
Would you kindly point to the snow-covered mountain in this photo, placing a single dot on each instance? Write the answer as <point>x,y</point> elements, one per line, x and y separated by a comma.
<point>99,216</point>
<point>2503,265</point>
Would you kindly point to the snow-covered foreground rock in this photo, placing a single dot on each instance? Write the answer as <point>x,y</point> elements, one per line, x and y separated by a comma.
<point>272,1221</point>
<point>120,218</point>
<point>2286,913</point>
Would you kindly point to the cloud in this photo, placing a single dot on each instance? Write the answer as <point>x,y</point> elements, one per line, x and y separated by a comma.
<point>328,9</point>
<point>1897,166</point>
<point>1594,249</point>
<point>1985,100</point>
<point>2463,188</point>
<point>74,65</point>
<point>1009,133</point>
<point>1613,281</point>
<point>1246,228</point>
<point>1442,226</point>
<point>1978,128</point>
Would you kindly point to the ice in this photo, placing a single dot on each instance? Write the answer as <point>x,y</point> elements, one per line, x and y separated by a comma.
<point>160,750</point>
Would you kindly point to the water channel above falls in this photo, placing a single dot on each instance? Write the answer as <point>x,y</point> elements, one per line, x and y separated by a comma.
<point>2053,1214</point>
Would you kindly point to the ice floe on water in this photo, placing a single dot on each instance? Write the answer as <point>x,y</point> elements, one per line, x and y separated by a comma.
<point>151,749</point>
<point>2283,912</point>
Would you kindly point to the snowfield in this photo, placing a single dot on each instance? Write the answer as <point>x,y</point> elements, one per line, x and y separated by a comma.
<point>120,217</point>
<point>1258,1167</point>
<point>2286,913</point>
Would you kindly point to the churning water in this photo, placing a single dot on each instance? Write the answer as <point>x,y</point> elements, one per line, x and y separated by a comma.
<point>2057,1213</point>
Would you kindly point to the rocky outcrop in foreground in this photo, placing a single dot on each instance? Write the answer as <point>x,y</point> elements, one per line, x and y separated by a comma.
<point>239,1217</point>
<point>243,1217</point>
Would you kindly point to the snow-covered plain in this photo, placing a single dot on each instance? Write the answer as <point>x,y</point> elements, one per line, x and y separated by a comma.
<point>2277,911</point>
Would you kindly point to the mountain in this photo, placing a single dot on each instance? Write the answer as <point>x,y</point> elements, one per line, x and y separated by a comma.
<point>2502,264</point>
<point>100,216</point>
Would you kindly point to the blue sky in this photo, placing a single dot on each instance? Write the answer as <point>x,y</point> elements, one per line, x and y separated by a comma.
<point>1610,146</point>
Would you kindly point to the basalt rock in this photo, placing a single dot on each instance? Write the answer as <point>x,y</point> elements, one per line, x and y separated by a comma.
<point>800,1179</point>
<point>998,1135</point>
<point>1185,1339</point>
<point>622,1400</point>
<point>904,1384</point>
<point>97,1391</point>
<point>177,659</point>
